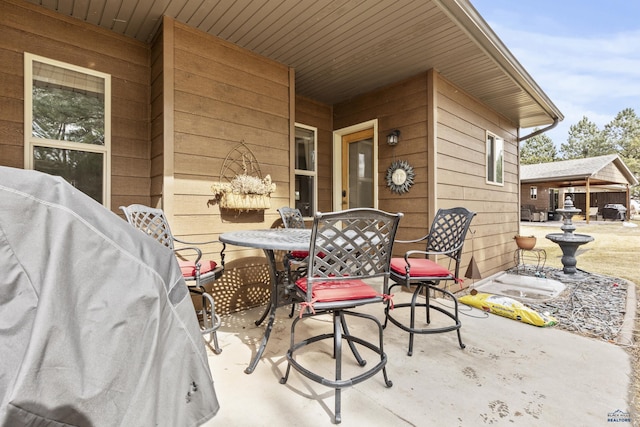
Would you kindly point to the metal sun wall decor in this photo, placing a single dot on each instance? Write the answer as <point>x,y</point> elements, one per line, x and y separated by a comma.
<point>400,176</point>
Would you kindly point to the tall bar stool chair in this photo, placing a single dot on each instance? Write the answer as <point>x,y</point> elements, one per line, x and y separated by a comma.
<point>196,271</point>
<point>446,239</point>
<point>292,218</point>
<point>353,271</point>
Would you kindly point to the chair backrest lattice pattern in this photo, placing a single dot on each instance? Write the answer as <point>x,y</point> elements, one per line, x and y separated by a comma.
<point>355,243</point>
<point>448,232</point>
<point>291,217</point>
<point>150,221</point>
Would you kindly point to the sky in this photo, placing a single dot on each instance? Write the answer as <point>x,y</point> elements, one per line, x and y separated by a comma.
<point>585,55</point>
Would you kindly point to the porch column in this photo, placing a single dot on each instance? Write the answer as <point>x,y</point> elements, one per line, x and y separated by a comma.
<point>588,203</point>
<point>628,213</point>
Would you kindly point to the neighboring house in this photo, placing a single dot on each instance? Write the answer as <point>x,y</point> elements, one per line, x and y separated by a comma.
<point>313,89</point>
<point>591,182</point>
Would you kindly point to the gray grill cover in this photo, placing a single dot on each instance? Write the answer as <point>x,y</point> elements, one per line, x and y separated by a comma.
<point>97,327</point>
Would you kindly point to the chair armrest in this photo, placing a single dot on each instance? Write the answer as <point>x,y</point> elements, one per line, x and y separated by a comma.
<point>408,254</point>
<point>208,242</point>
<point>200,243</point>
<point>192,246</point>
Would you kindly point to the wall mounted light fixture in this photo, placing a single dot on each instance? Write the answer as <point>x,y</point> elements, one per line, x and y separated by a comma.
<point>393,137</point>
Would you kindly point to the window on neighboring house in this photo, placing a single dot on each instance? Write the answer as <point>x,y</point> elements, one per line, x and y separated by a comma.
<point>68,124</point>
<point>533,193</point>
<point>495,159</point>
<point>305,169</point>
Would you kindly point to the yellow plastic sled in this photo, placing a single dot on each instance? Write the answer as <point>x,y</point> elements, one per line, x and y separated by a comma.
<point>507,307</point>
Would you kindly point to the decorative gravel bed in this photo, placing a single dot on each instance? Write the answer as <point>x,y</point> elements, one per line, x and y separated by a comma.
<point>591,305</point>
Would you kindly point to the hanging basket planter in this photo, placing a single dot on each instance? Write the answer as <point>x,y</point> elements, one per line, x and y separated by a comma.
<point>241,185</point>
<point>245,202</point>
<point>244,193</point>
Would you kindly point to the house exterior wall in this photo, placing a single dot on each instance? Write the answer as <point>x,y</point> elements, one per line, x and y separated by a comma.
<point>400,106</point>
<point>542,203</point>
<point>219,96</point>
<point>599,200</point>
<point>207,97</point>
<point>443,134</point>
<point>28,28</point>
<point>462,123</point>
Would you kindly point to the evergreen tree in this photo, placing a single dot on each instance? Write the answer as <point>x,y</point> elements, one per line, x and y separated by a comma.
<point>623,132</point>
<point>64,115</point>
<point>585,140</point>
<point>538,149</point>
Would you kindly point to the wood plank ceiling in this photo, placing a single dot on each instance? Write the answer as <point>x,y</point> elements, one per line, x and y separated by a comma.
<point>342,48</point>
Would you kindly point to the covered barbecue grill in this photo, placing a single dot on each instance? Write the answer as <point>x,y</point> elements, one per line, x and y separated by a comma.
<point>614,211</point>
<point>97,325</point>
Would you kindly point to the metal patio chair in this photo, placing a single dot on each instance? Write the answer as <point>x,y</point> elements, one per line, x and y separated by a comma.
<point>196,271</point>
<point>292,218</point>
<point>295,262</point>
<point>446,239</point>
<point>356,245</point>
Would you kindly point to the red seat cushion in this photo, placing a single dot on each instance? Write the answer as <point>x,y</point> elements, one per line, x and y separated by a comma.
<point>304,254</point>
<point>188,268</point>
<point>299,254</point>
<point>420,267</point>
<point>347,289</point>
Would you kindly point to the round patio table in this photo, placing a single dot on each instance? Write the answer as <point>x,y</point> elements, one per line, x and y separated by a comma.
<point>269,240</point>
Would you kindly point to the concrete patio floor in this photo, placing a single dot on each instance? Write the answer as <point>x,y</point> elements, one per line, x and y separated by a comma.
<point>510,373</point>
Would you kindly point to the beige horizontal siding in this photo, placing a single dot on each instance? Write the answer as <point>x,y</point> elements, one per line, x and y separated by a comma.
<point>221,96</point>
<point>462,126</point>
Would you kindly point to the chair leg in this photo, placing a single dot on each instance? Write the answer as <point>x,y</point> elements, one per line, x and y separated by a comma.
<point>338,320</point>
<point>457,319</point>
<point>354,350</point>
<point>427,296</point>
<point>292,342</point>
<point>411,328</point>
<point>210,321</point>
<point>292,276</point>
<point>412,319</point>
<point>339,333</point>
<point>287,278</point>
<point>455,316</point>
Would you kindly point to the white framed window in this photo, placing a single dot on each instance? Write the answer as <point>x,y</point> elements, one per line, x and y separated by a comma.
<point>533,193</point>
<point>306,183</point>
<point>68,124</point>
<point>495,159</point>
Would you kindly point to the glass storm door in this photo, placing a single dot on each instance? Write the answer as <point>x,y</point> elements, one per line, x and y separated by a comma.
<point>357,170</point>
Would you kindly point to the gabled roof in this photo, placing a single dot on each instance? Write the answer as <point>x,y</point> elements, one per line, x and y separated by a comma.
<point>601,170</point>
<point>342,48</point>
